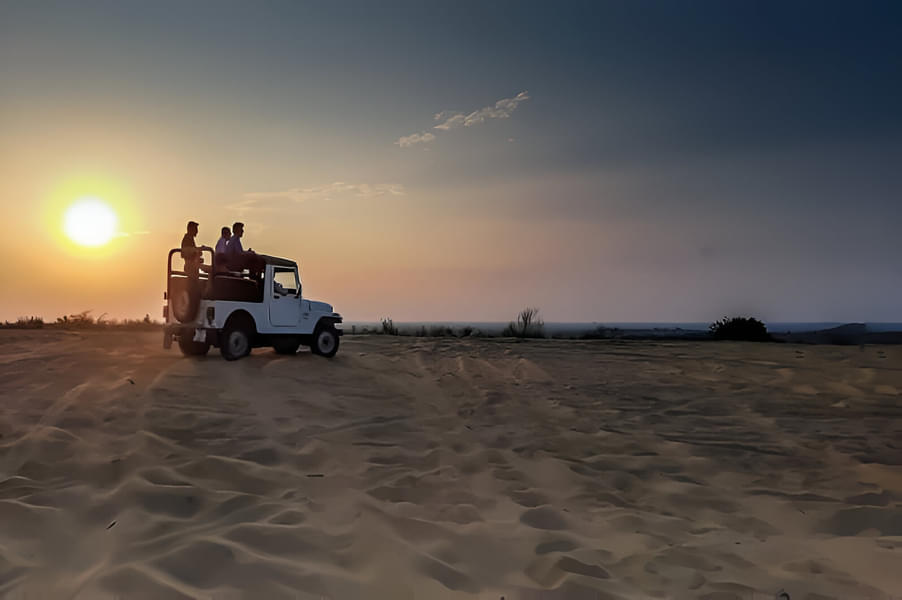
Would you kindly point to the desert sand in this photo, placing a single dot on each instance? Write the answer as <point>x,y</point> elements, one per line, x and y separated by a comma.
<point>442,468</point>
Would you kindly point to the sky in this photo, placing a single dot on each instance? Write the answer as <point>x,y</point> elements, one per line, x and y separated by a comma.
<point>457,161</point>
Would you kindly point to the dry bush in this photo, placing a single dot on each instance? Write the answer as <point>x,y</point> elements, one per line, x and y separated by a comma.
<point>24,323</point>
<point>528,325</point>
<point>388,327</point>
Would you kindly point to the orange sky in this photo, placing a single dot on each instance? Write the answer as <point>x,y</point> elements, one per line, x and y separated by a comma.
<point>372,252</point>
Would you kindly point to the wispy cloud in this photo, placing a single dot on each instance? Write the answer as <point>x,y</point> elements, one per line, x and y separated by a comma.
<point>326,192</point>
<point>415,138</point>
<point>502,109</point>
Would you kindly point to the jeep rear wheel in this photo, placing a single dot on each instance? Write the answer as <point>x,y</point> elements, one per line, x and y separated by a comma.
<point>325,340</point>
<point>191,348</point>
<point>236,341</point>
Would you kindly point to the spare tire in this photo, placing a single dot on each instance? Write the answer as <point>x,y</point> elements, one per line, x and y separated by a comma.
<point>184,299</point>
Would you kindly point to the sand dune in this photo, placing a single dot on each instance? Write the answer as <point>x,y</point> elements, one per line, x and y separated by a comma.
<point>439,468</point>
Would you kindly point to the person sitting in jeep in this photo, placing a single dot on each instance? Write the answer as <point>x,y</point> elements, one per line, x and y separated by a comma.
<point>219,254</point>
<point>237,258</point>
<point>278,288</point>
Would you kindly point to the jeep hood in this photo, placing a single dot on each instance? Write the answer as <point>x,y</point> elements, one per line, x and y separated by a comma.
<point>315,306</point>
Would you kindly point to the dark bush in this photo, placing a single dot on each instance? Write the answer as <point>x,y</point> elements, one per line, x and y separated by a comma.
<point>388,327</point>
<point>748,329</point>
<point>528,325</point>
<point>77,321</point>
<point>24,323</point>
<point>602,333</point>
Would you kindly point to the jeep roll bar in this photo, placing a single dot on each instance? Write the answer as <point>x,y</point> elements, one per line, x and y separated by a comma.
<point>202,274</point>
<point>170,272</point>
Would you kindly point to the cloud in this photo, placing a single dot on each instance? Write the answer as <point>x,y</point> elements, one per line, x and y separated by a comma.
<point>415,138</point>
<point>453,119</point>
<point>501,110</point>
<point>326,192</point>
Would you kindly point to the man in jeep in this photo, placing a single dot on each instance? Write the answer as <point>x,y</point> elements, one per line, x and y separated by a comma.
<point>191,252</point>
<point>219,254</point>
<point>237,258</point>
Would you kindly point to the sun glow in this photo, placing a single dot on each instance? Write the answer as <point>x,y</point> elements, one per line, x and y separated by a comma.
<point>90,222</point>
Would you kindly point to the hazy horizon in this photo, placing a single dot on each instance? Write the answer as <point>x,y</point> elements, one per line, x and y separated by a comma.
<point>613,162</point>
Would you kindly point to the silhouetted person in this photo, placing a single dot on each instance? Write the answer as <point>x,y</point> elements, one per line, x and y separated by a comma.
<point>219,254</point>
<point>190,252</point>
<point>237,258</point>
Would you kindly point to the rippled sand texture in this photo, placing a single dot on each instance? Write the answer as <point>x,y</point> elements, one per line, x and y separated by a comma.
<point>422,468</point>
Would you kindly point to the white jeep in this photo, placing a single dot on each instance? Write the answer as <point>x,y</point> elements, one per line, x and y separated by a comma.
<point>236,312</point>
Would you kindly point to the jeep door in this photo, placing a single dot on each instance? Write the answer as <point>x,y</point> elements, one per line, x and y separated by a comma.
<point>284,301</point>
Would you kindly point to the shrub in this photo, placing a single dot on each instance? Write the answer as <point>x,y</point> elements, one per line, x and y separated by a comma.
<point>440,331</point>
<point>602,333</point>
<point>24,323</point>
<point>528,325</point>
<point>747,329</point>
<point>388,327</point>
<point>78,320</point>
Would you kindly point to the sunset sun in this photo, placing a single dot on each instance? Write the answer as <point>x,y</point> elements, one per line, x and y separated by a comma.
<point>90,222</point>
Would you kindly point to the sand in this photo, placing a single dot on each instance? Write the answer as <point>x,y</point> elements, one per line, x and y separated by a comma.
<point>441,468</point>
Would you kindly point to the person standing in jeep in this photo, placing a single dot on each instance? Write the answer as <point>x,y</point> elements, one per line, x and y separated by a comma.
<point>190,252</point>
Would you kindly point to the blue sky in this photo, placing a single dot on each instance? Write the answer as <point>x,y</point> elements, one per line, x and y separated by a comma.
<point>666,161</point>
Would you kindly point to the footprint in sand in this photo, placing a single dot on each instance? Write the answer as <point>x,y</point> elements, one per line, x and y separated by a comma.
<point>549,572</point>
<point>543,518</point>
<point>555,546</point>
<point>529,499</point>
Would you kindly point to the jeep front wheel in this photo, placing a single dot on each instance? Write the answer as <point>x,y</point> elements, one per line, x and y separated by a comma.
<point>235,342</point>
<point>325,340</point>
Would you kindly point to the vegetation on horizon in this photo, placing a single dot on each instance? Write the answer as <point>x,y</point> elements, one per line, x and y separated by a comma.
<point>24,323</point>
<point>82,320</point>
<point>388,327</point>
<point>745,329</point>
<point>528,325</point>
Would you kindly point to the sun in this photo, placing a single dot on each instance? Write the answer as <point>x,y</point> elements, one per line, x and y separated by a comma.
<point>90,222</point>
